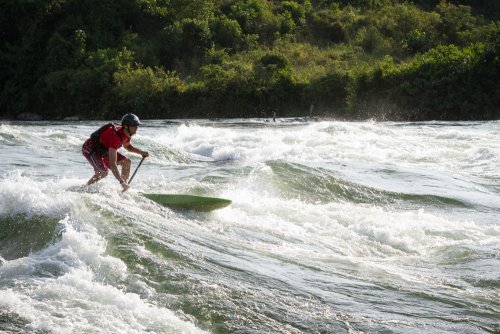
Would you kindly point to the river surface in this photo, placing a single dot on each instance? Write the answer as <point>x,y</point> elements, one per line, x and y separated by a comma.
<point>335,227</point>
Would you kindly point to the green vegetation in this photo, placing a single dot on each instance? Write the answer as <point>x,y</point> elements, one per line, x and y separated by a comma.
<point>351,59</point>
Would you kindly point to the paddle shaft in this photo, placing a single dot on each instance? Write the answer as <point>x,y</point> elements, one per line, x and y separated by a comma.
<point>140,163</point>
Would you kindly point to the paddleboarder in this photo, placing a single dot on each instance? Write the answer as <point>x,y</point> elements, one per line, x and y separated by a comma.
<point>101,149</point>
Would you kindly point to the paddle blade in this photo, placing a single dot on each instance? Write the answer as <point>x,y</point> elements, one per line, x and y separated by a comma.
<point>189,202</point>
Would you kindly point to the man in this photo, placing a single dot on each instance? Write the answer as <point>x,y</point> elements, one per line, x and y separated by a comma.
<point>102,146</point>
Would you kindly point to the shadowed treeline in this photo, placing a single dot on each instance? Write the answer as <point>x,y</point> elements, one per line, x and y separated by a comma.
<point>382,59</point>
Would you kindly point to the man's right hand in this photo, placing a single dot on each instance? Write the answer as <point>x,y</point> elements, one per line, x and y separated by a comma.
<point>125,186</point>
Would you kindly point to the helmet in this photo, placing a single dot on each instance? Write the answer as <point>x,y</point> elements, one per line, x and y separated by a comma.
<point>131,119</point>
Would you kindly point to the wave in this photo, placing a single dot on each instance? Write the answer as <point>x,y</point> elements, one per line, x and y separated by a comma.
<point>317,185</point>
<point>10,135</point>
<point>94,287</point>
<point>30,215</point>
<point>12,323</point>
<point>21,235</point>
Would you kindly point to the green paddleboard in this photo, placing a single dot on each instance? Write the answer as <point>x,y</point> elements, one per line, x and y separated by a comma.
<point>189,202</point>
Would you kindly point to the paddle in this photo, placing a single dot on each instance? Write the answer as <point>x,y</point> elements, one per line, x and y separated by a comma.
<point>136,169</point>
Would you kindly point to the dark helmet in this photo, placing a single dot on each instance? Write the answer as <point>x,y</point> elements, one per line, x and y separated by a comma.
<point>131,119</point>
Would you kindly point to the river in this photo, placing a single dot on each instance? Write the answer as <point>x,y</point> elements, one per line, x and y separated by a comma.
<point>335,227</point>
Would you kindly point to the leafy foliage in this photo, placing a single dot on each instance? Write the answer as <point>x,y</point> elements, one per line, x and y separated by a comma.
<point>389,59</point>
<point>142,90</point>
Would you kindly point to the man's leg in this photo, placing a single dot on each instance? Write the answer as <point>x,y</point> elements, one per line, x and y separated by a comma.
<point>96,162</point>
<point>125,163</point>
<point>97,177</point>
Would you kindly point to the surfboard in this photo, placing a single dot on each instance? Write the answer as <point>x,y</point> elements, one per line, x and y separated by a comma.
<point>189,202</point>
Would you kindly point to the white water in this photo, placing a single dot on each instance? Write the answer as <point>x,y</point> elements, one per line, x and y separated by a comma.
<point>334,227</point>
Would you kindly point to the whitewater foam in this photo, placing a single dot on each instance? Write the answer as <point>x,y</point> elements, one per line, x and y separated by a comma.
<point>21,194</point>
<point>334,227</point>
<point>77,289</point>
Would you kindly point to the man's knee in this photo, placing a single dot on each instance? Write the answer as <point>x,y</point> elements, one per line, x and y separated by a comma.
<point>125,162</point>
<point>102,174</point>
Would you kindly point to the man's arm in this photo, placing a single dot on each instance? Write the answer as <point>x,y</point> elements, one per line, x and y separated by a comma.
<point>128,146</point>
<point>112,156</point>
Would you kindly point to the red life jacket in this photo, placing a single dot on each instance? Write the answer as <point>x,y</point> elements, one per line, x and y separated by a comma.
<point>99,148</point>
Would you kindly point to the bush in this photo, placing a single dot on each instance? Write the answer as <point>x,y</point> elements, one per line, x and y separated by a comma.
<point>407,28</point>
<point>445,83</point>
<point>372,41</point>
<point>331,89</point>
<point>455,21</point>
<point>418,41</point>
<point>226,33</point>
<point>271,68</point>
<point>326,25</point>
<point>297,11</point>
<point>370,4</point>
<point>256,18</point>
<point>83,89</point>
<point>273,80</point>
<point>195,36</point>
<point>222,81</point>
<point>217,57</point>
<point>169,47</point>
<point>184,41</point>
<point>146,90</point>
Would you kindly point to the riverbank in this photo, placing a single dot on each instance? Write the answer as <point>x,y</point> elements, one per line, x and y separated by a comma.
<point>385,60</point>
